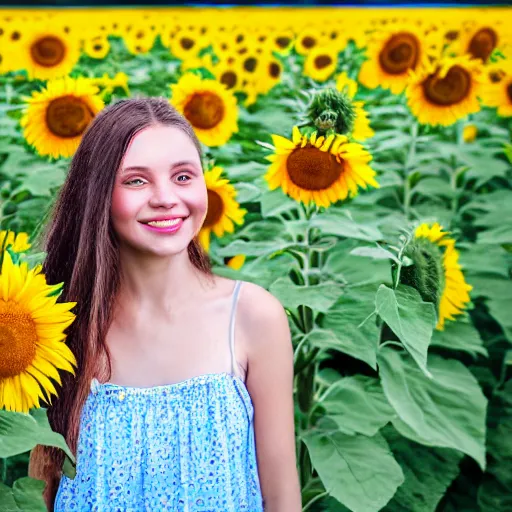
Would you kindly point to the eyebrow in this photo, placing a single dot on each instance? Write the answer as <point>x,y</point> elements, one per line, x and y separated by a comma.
<point>144,168</point>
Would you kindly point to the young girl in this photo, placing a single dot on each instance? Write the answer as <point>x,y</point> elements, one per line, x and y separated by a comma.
<point>182,400</point>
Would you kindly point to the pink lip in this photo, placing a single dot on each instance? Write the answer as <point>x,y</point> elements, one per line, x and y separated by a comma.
<point>169,229</point>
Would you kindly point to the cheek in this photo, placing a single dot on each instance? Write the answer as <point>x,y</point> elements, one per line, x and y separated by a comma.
<point>123,205</point>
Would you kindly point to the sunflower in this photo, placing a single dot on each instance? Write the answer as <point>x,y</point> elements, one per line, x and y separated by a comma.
<point>12,41</point>
<point>139,40</point>
<point>469,133</point>
<point>56,117</point>
<point>480,39</point>
<point>282,41</point>
<point>48,52</point>
<point>228,73</point>
<point>498,91</point>
<point>444,91</point>
<point>454,289</point>
<point>208,106</point>
<point>223,209</point>
<point>18,241</point>
<point>322,170</point>
<point>306,40</point>
<point>97,47</point>
<point>270,76</point>
<point>392,53</point>
<point>31,337</point>
<point>320,63</point>
<point>346,84</point>
<point>187,43</point>
<point>236,262</point>
<point>362,129</point>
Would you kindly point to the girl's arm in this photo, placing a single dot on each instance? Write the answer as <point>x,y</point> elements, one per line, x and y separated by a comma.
<point>270,384</point>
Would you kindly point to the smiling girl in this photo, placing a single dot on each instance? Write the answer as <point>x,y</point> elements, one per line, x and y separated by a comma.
<point>183,397</point>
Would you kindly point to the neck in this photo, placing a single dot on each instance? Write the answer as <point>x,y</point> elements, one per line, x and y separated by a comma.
<point>159,284</point>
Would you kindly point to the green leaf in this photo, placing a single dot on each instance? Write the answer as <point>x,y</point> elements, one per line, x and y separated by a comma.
<point>483,259</point>
<point>274,202</point>
<point>428,473</point>
<point>42,179</point>
<point>344,321</point>
<point>20,432</point>
<point>495,493</point>
<point>358,405</point>
<point>499,297</point>
<point>319,297</point>
<point>26,495</point>
<point>461,336</point>
<point>354,269</point>
<point>341,224</point>
<point>411,319</point>
<point>446,411</point>
<point>254,248</point>
<point>358,471</point>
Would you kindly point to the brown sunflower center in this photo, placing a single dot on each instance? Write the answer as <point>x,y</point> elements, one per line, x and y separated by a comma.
<point>451,89</point>
<point>204,110</point>
<point>48,51</point>
<point>18,339</point>
<point>312,169</point>
<point>322,61</point>
<point>215,209</point>
<point>283,42</point>
<point>483,43</point>
<point>509,92</point>
<point>250,64</point>
<point>229,79</point>
<point>400,53</point>
<point>496,76</point>
<point>274,70</point>
<point>68,116</point>
<point>308,42</point>
<point>187,43</point>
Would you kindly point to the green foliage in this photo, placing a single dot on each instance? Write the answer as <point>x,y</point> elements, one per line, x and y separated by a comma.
<point>391,414</point>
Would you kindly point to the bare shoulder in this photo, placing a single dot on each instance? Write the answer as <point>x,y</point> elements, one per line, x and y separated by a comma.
<point>263,318</point>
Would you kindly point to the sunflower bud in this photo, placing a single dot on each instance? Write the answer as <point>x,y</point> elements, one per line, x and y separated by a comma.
<point>426,273</point>
<point>332,110</point>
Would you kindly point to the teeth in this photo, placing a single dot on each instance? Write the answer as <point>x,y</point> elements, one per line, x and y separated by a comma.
<point>164,223</point>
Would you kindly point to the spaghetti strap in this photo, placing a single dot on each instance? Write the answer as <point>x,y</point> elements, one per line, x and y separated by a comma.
<point>236,291</point>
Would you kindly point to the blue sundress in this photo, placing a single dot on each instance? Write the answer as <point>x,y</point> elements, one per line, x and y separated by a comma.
<point>184,447</point>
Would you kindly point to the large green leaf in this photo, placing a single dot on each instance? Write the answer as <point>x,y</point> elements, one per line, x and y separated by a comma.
<point>354,269</point>
<point>428,473</point>
<point>495,493</point>
<point>19,433</point>
<point>344,320</point>
<point>459,335</point>
<point>483,259</point>
<point>26,495</point>
<point>340,223</point>
<point>411,319</point>
<point>359,471</point>
<point>358,405</point>
<point>318,297</point>
<point>499,298</point>
<point>447,410</point>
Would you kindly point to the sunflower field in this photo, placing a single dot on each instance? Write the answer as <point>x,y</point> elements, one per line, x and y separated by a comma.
<point>358,165</point>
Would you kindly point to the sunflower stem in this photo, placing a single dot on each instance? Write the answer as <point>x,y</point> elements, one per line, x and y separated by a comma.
<point>4,469</point>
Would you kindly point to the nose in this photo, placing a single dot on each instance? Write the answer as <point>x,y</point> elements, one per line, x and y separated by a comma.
<point>164,195</point>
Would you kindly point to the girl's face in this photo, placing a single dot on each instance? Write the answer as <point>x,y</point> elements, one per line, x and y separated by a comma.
<point>160,177</point>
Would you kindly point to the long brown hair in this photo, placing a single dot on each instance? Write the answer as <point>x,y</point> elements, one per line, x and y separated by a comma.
<point>82,252</point>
